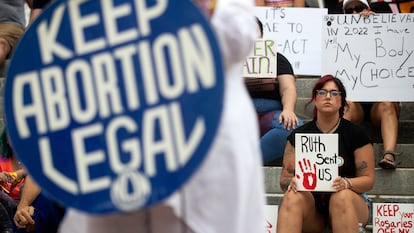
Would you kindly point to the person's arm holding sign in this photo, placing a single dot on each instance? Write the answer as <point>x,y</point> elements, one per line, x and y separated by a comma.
<point>365,173</point>
<point>23,217</point>
<point>287,178</point>
<point>328,166</point>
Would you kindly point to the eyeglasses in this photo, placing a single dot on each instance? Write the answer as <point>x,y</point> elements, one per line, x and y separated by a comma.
<point>357,9</point>
<point>324,93</point>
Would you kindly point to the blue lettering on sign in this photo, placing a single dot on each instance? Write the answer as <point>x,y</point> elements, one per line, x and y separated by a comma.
<point>113,104</point>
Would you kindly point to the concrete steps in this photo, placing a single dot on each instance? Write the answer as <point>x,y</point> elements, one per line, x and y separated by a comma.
<point>406,159</point>
<point>389,185</point>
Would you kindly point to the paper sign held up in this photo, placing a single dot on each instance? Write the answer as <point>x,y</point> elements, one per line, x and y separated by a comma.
<point>373,56</point>
<point>316,163</point>
<point>393,217</point>
<point>262,61</point>
<point>271,218</point>
<point>298,38</point>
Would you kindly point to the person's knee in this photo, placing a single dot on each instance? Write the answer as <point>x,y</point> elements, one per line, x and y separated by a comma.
<point>354,112</point>
<point>387,108</point>
<point>4,49</point>
<point>340,200</point>
<point>292,199</point>
<point>4,43</point>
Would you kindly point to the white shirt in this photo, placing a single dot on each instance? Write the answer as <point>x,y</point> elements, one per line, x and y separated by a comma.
<point>226,194</point>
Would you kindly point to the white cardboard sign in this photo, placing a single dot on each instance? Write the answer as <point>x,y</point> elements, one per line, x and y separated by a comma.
<point>373,56</point>
<point>271,218</point>
<point>262,61</point>
<point>392,218</point>
<point>299,38</point>
<point>316,161</point>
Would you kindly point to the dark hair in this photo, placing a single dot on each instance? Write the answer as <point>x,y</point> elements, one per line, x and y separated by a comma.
<point>5,148</point>
<point>320,83</point>
<point>381,7</point>
<point>260,24</point>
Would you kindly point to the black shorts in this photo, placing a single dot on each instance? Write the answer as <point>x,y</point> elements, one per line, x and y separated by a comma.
<point>366,107</point>
<point>322,203</point>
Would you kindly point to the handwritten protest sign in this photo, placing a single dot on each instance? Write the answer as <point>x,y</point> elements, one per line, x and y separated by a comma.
<point>393,218</point>
<point>316,164</point>
<point>299,38</point>
<point>109,112</point>
<point>262,61</point>
<point>271,218</point>
<point>373,56</point>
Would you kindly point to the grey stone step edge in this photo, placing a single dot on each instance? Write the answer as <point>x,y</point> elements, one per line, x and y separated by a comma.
<point>406,110</point>
<point>388,182</point>
<point>405,160</point>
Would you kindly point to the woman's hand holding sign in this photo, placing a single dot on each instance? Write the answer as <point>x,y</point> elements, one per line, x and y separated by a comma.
<point>292,186</point>
<point>340,183</point>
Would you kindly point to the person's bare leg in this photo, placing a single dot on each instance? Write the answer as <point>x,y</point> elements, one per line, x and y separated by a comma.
<point>354,112</point>
<point>347,209</point>
<point>385,116</point>
<point>298,213</point>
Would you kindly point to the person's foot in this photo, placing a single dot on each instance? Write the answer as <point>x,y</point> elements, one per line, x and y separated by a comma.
<point>388,161</point>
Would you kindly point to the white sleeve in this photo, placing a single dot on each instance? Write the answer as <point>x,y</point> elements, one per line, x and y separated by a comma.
<point>236,29</point>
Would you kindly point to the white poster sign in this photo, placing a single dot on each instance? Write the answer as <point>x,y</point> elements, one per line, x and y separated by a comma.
<point>392,218</point>
<point>316,161</point>
<point>373,56</point>
<point>271,218</point>
<point>299,38</point>
<point>262,61</point>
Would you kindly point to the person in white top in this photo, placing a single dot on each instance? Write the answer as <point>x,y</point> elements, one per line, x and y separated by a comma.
<point>226,194</point>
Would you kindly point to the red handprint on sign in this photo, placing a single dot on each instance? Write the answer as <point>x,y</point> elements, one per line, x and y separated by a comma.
<point>269,227</point>
<point>309,175</point>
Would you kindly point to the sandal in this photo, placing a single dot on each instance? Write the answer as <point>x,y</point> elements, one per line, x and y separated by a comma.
<point>387,163</point>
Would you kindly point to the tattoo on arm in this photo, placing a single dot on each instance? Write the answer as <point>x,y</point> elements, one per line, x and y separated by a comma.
<point>291,170</point>
<point>361,167</point>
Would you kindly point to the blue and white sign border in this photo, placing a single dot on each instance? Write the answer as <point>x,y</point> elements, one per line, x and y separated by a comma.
<point>112,105</point>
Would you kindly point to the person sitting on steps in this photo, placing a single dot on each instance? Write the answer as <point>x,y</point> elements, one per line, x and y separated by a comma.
<point>348,206</point>
<point>275,103</point>
<point>382,114</point>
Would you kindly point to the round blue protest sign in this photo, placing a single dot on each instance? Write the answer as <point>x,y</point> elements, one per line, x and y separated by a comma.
<point>112,105</point>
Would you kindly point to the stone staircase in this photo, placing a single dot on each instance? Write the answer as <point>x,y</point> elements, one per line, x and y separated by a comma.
<point>391,186</point>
